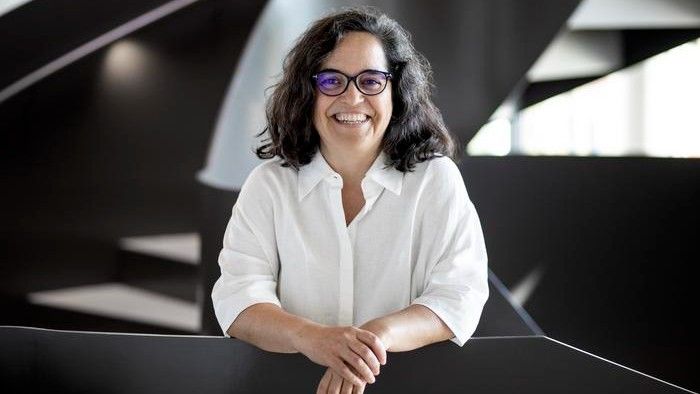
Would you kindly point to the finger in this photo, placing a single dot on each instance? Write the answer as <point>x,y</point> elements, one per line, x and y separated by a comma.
<point>341,369</point>
<point>358,364</point>
<point>336,384</point>
<point>358,389</point>
<point>347,387</point>
<point>366,353</point>
<point>374,343</point>
<point>325,381</point>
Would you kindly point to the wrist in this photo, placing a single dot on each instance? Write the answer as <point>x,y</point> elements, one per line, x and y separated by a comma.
<point>301,332</point>
<point>381,330</point>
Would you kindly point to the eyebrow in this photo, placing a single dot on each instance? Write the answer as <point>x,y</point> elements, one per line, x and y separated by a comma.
<point>351,74</point>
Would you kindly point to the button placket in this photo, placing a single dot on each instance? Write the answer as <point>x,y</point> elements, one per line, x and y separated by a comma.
<point>371,192</point>
<point>345,261</point>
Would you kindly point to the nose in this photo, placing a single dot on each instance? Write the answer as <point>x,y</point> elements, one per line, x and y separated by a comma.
<point>352,95</point>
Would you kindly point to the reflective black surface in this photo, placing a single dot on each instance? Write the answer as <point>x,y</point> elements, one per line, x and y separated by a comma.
<point>36,360</point>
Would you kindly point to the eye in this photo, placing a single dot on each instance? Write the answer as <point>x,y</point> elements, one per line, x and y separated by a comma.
<point>372,81</point>
<point>329,81</point>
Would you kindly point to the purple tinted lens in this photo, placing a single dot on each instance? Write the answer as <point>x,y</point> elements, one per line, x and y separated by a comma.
<point>372,82</point>
<point>331,82</point>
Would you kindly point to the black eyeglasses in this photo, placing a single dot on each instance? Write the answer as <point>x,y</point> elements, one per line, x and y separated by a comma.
<point>334,83</point>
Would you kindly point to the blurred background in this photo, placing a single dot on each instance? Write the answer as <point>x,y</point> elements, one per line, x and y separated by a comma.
<point>127,128</point>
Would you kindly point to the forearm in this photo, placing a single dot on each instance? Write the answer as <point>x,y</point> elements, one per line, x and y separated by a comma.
<point>410,328</point>
<point>269,327</point>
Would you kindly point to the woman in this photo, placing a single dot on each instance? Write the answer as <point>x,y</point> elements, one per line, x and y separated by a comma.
<point>359,237</point>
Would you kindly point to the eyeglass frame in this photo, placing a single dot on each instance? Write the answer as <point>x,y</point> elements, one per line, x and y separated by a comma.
<point>389,76</point>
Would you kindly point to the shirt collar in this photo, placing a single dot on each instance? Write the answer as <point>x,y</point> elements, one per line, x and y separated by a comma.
<point>311,174</point>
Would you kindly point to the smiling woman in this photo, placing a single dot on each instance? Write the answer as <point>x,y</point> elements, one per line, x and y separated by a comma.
<point>358,237</point>
<point>366,40</point>
<point>349,121</point>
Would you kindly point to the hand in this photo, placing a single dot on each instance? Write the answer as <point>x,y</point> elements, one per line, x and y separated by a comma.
<point>332,383</point>
<point>352,353</point>
<point>379,328</point>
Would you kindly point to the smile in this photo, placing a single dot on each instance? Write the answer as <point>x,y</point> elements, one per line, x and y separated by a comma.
<point>351,119</point>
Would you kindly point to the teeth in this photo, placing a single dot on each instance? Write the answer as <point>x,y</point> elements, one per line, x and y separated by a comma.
<point>351,117</point>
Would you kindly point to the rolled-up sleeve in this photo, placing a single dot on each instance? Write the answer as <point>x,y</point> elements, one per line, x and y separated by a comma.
<point>248,259</point>
<point>456,274</point>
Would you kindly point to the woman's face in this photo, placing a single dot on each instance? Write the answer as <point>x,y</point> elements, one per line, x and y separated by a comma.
<point>353,121</point>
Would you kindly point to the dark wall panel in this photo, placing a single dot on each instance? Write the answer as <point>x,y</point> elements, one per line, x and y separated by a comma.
<point>616,239</point>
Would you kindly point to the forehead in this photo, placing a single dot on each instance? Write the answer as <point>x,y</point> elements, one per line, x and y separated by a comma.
<point>355,52</point>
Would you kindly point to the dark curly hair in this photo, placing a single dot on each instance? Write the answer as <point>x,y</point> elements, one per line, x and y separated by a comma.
<point>416,130</point>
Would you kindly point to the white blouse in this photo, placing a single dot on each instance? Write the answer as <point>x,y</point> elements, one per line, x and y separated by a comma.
<point>417,240</point>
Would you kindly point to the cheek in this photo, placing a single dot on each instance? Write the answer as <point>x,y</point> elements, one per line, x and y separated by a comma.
<point>386,107</point>
<point>320,108</point>
<point>317,115</point>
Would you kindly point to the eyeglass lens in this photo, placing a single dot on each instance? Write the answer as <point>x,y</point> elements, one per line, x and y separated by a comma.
<point>334,83</point>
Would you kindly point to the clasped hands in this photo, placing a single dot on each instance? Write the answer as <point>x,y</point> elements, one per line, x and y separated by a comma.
<point>353,355</point>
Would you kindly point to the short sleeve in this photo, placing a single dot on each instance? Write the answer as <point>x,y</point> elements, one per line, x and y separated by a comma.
<point>248,259</point>
<point>456,279</point>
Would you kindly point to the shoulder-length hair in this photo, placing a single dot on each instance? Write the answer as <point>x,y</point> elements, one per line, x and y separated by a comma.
<point>416,130</point>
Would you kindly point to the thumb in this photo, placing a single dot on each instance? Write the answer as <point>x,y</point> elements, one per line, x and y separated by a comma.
<point>375,343</point>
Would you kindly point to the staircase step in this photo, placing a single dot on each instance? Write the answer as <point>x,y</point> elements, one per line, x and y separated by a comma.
<point>183,247</point>
<point>121,301</point>
<point>159,275</point>
<point>167,264</point>
<point>17,311</point>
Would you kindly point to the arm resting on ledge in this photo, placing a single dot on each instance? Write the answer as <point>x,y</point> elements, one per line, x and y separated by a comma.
<point>268,327</point>
<point>410,328</point>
